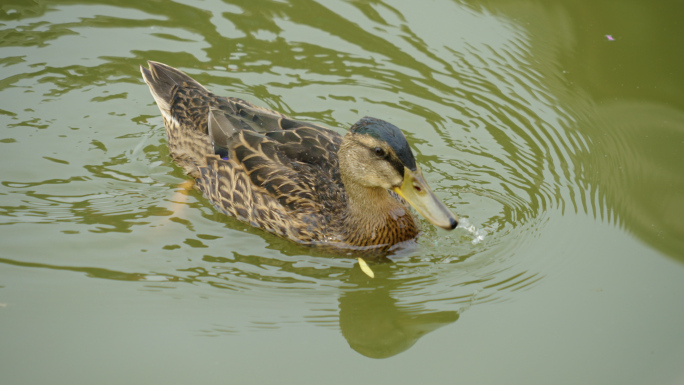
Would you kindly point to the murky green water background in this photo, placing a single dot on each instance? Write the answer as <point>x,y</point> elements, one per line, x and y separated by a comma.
<point>556,126</point>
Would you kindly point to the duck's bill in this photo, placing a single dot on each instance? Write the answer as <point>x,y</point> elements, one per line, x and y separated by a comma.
<point>418,194</point>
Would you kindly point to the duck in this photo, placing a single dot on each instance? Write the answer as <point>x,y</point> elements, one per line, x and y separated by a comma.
<point>298,180</point>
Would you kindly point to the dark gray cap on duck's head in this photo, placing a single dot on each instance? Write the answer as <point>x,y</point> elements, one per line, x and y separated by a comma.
<point>388,133</point>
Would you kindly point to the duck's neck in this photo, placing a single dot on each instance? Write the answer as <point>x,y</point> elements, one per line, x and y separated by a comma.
<point>374,217</point>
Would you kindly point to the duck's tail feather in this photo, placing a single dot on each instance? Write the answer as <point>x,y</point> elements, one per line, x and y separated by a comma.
<point>163,80</point>
<point>186,127</point>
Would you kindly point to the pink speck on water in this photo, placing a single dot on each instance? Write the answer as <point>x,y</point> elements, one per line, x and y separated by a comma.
<point>610,38</point>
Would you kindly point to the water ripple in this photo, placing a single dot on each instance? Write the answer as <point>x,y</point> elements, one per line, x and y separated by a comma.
<point>491,138</point>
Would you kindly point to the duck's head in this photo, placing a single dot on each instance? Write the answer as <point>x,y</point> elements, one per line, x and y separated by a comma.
<point>376,154</point>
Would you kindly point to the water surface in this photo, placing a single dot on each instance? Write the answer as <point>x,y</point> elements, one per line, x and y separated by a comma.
<point>556,129</point>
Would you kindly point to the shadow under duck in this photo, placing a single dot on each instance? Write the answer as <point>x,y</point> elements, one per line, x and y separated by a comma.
<point>295,179</point>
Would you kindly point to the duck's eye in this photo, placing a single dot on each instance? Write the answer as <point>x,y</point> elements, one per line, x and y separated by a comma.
<point>379,152</point>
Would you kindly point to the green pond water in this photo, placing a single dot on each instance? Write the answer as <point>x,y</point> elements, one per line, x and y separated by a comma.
<point>554,128</point>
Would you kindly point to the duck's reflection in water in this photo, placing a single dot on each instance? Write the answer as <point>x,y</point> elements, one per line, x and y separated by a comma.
<point>378,325</point>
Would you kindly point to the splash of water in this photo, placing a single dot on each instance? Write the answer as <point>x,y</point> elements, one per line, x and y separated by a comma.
<point>478,234</point>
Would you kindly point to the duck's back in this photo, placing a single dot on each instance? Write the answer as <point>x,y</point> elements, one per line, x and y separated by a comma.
<point>252,163</point>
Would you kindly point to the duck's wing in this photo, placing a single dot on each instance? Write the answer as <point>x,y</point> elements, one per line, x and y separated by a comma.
<point>231,115</point>
<point>199,123</point>
<point>295,159</point>
<point>289,176</point>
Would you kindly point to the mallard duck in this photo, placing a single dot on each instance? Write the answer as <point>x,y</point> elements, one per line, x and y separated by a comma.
<point>299,180</point>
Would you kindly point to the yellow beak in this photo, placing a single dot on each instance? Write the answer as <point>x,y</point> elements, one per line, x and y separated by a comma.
<point>418,194</point>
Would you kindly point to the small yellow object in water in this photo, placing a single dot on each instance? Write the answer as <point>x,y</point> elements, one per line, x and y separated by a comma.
<point>365,268</point>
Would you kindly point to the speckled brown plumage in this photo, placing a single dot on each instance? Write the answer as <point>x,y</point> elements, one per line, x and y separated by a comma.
<point>279,174</point>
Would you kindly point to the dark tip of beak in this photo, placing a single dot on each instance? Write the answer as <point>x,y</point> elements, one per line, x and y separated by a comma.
<point>453,223</point>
